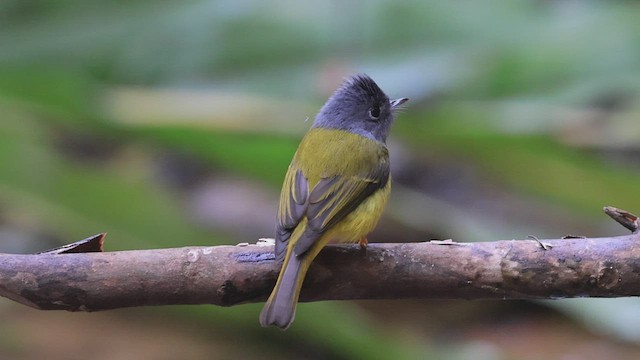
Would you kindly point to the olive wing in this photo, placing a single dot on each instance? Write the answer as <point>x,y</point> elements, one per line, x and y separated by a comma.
<point>330,201</point>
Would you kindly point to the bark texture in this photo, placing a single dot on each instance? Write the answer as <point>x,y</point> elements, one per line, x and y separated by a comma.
<point>230,275</point>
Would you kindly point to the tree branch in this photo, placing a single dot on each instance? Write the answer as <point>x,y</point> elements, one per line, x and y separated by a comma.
<point>229,275</point>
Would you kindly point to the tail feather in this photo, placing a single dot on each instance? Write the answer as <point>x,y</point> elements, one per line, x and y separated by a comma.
<point>280,308</point>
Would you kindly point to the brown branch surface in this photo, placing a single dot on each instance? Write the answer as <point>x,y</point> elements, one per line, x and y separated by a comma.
<point>229,275</point>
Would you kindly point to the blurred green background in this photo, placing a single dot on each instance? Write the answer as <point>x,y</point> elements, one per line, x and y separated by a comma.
<point>170,124</point>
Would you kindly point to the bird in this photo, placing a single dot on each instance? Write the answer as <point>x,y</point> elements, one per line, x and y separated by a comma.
<point>335,188</point>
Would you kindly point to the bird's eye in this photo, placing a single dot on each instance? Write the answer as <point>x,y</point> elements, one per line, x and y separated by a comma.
<point>374,113</point>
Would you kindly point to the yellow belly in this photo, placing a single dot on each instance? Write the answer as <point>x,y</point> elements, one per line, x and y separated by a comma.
<point>359,223</point>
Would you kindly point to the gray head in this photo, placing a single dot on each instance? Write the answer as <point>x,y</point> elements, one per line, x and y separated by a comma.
<point>361,107</point>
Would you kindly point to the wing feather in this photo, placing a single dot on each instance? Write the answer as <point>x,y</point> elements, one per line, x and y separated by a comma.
<point>293,206</point>
<point>333,198</point>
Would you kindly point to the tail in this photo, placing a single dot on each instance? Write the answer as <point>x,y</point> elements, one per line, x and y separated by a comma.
<point>280,308</point>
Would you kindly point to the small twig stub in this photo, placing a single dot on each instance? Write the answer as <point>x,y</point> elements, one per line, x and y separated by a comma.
<point>623,217</point>
<point>91,244</point>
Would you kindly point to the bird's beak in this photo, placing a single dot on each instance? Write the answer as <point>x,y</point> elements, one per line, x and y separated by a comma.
<point>397,102</point>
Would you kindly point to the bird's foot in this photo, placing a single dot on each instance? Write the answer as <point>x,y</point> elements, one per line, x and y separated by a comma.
<point>363,243</point>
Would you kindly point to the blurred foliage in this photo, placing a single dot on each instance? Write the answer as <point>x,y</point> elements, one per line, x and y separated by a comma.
<point>523,118</point>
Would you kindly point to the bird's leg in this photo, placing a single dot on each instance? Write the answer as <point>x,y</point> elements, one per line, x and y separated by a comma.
<point>363,243</point>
